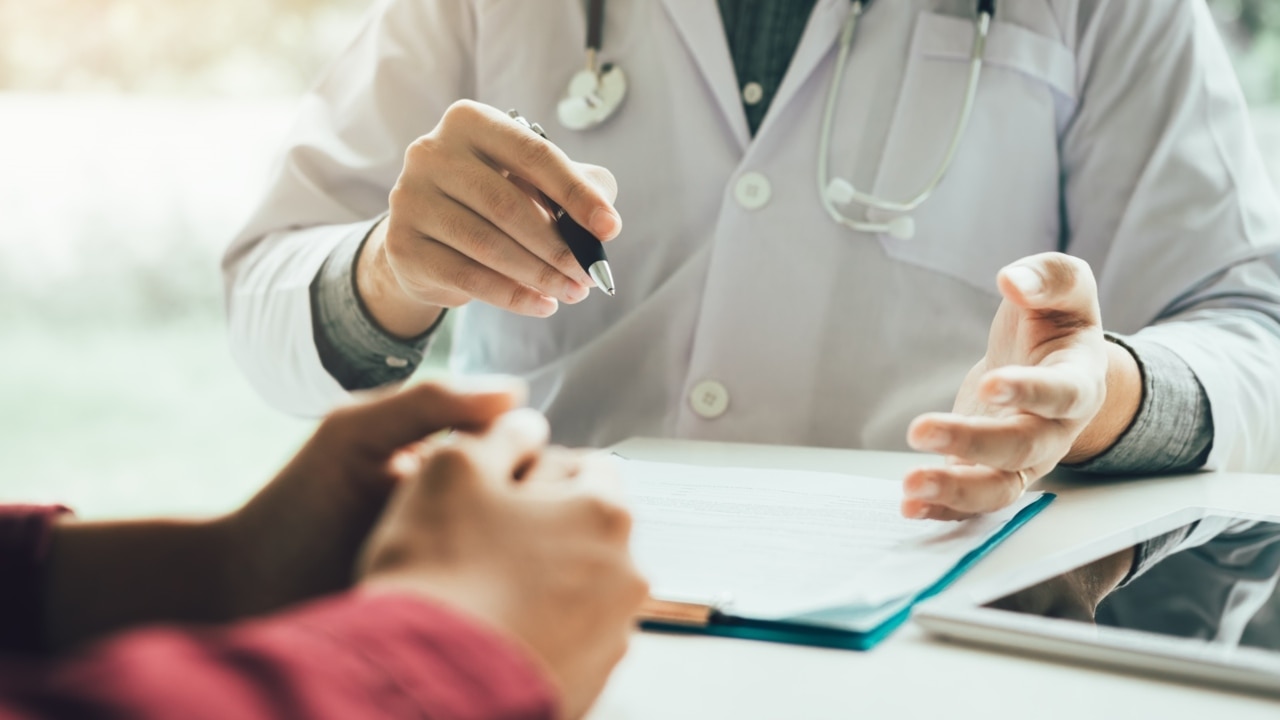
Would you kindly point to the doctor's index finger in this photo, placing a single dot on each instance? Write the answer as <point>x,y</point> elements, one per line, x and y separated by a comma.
<point>1058,390</point>
<point>582,192</point>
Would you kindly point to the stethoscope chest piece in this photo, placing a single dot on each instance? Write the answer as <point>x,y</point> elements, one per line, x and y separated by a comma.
<point>593,97</point>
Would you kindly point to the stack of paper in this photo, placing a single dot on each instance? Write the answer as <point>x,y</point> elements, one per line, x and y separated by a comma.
<point>788,555</point>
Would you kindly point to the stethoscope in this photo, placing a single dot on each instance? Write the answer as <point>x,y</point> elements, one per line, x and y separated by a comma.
<point>596,93</point>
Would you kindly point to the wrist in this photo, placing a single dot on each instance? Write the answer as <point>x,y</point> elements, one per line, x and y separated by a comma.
<point>1124,398</point>
<point>380,292</point>
<point>135,572</point>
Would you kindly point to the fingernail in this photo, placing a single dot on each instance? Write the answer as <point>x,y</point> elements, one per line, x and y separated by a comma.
<point>1002,394</point>
<point>921,512</point>
<point>577,293</point>
<point>546,306</point>
<point>1027,281</point>
<point>937,439</point>
<point>527,422</point>
<point>605,223</point>
<point>925,490</point>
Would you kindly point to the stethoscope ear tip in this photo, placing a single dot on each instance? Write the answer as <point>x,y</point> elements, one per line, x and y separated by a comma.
<point>902,227</point>
<point>840,191</point>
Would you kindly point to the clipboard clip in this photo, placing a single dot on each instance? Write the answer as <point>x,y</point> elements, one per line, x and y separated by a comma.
<point>684,613</point>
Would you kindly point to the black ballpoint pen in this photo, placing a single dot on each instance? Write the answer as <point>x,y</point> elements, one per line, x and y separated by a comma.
<point>587,248</point>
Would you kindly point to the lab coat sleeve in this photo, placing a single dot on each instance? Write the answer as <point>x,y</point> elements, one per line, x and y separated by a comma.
<point>1173,429</point>
<point>1166,196</point>
<point>353,348</point>
<point>409,62</point>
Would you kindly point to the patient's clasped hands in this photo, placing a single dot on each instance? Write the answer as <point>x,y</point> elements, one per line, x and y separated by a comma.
<point>489,520</point>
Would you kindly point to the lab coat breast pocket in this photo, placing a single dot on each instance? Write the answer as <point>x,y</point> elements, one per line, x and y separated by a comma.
<point>1001,199</point>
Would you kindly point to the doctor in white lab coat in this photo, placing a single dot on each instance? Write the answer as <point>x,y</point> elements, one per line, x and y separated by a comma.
<point>1110,131</point>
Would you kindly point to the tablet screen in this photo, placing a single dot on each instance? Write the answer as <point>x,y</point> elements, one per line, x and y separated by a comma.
<point>1213,580</point>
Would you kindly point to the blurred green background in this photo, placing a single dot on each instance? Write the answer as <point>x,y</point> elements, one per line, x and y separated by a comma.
<point>134,136</point>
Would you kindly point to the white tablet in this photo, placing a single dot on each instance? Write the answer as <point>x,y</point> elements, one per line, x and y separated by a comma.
<point>1193,596</point>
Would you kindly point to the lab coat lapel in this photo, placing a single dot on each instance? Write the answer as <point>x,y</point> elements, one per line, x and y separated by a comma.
<point>702,29</point>
<point>820,35</point>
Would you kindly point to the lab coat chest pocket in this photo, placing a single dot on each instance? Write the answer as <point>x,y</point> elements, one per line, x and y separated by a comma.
<point>1001,199</point>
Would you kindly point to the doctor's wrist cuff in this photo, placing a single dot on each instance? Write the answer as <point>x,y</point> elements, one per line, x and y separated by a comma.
<point>357,352</point>
<point>1173,429</point>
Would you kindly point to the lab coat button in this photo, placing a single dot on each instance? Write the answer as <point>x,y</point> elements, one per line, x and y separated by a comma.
<point>752,93</point>
<point>709,399</point>
<point>753,191</point>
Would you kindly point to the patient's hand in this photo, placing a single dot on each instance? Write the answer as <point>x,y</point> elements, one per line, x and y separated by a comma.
<point>524,539</point>
<point>300,536</point>
<point>296,540</point>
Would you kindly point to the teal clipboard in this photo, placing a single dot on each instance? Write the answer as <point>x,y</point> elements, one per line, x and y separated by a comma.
<point>801,633</point>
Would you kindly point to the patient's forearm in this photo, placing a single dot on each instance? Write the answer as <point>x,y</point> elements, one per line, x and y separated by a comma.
<point>107,576</point>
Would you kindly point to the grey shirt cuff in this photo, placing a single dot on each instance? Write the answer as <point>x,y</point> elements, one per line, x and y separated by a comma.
<point>353,348</point>
<point>1173,430</point>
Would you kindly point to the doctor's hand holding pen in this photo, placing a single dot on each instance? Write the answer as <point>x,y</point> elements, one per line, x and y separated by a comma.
<point>1051,389</point>
<point>468,221</point>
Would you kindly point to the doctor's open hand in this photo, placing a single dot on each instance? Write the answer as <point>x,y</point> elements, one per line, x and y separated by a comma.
<point>1050,389</point>
<point>467,223</point>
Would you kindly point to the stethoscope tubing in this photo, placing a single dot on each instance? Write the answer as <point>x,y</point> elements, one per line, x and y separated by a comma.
<point>589,107</point>
<point>978,52</point>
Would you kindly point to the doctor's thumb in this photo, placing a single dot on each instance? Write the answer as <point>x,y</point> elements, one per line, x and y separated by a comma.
<point>1051,281</point>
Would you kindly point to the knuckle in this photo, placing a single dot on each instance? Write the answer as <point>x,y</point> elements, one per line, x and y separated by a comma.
<point>519,297</point>
<point>1025,444</point>
<point>478,240</point>
<point>548,277</point>
<point>464,278</point>
<point>501,205</point>
<point>463,112</point>
<point>965,444</point>
<point>1063,271</point>
<point>449,465</point>
<point>532,151</point>
<point>957,493</point>
<point>579,194</point>
<point>399,197</point>
<point>562,257</point>
<point>422,151</point>
<point>399,239</point>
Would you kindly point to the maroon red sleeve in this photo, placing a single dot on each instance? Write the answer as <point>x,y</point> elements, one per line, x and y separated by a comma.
<point>351,656</point>
<point>25,533</point>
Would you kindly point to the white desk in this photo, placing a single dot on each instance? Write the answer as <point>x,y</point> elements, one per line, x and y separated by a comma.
<point>912,675</point>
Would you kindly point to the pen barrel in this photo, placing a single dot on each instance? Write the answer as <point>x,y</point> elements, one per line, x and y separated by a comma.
<point>587,249</point>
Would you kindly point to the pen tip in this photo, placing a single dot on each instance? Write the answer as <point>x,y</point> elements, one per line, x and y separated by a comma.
<point>603,277</point>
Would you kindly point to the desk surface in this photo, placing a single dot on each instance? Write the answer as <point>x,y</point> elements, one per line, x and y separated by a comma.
<point>911,674</point>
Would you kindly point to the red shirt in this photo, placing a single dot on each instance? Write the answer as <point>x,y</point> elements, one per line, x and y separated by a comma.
<point>350,656</point>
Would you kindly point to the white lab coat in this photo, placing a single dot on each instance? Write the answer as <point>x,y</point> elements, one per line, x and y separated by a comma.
<point>1112,130</point>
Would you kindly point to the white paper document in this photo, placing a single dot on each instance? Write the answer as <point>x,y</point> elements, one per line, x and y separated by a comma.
<point>777,544</point>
